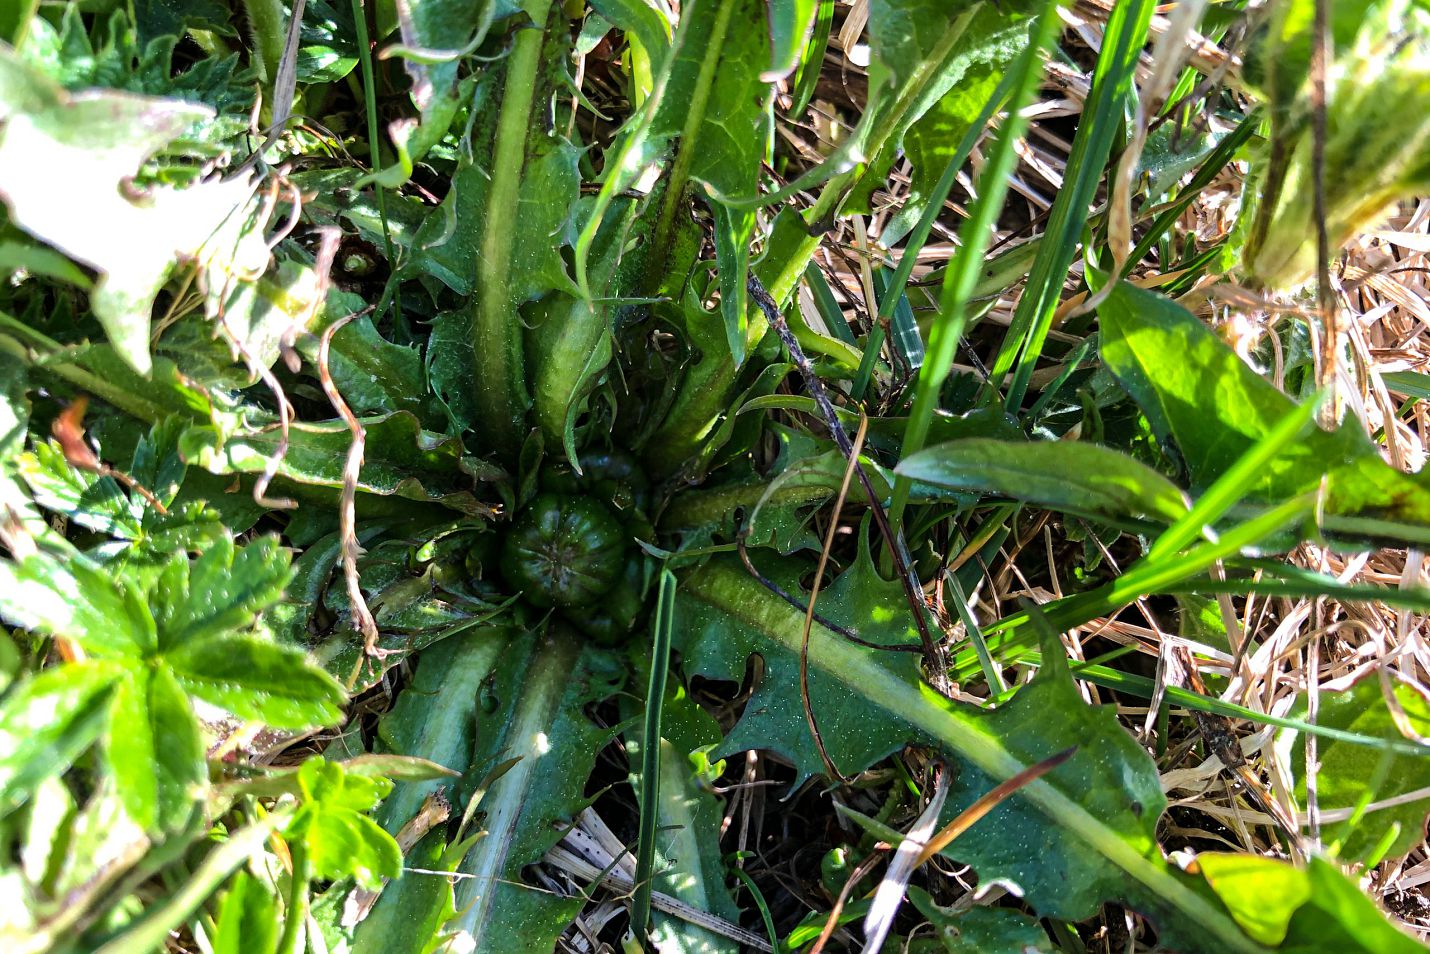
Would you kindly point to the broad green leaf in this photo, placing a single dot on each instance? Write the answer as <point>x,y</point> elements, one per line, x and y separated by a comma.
<point>450,359</point>
<point>641,19</point>
<point>1351,777</point>
<point>400,459</point>
<point>1068,476</point>
<point>373,374</point>
<point>221,591</point>
<point>979,930</point>
<point>47,721</point>
<point>341,840</point>
<point>257,679</point>
<point>1196,392</point>
<point>1082,835</point>
<point>535,714</point>
<point>248,919</point>
<point>39,260</point>
<point>154,750</point>
<point>86,146</point>
<point>73,598</point>
<point>1300,910</point>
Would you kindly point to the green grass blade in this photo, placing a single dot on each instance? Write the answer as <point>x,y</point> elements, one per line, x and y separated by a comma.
<point>1022,81</point>
<point>650,754</point>
<point>1101,119</point>
<point>1232,485</point>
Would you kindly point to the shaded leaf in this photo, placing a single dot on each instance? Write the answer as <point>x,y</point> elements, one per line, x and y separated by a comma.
<point>401,459</point>
<point>979,930</point>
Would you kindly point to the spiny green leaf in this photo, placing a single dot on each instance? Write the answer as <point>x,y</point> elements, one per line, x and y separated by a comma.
<point>47,721</point>
<point>1069,476</point>
<point>257,679</point>
<point>155,752</point>
<point>1095,815</point>
<point>537,696</point>
<point>720,624</point>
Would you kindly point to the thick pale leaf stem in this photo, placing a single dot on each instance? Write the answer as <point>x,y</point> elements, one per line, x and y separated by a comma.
<point>295,918</point>
<point>690,132</point>
<point>497,331</point>
<point>726,588</point>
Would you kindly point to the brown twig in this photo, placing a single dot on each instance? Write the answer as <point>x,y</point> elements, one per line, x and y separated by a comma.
<point>363,620</point>
<point>897,551</point>
<point>859,874</point>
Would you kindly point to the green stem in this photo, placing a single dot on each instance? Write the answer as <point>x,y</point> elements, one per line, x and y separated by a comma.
<point>497,331</point>
<point>151,932</point>
<point>266,20</point>
<point>295,917</point>
<point>374,141</point>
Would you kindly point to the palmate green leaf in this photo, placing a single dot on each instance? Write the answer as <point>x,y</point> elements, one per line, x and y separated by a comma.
<point>1067,476</point>
<point>47,721</point>
<point>73,598</point>
<point>1197,393</point>
<point>223,590</point>
<point>533,712</point>
<point>341,840</point>
<point>1354,776</point>
<point>85,497</point>
<point>85,146</point>
<point>154,749</point>
<point>400,459</point>
<point>257,679</point>
<point>1082,835</point>
<point>1301,910</point>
